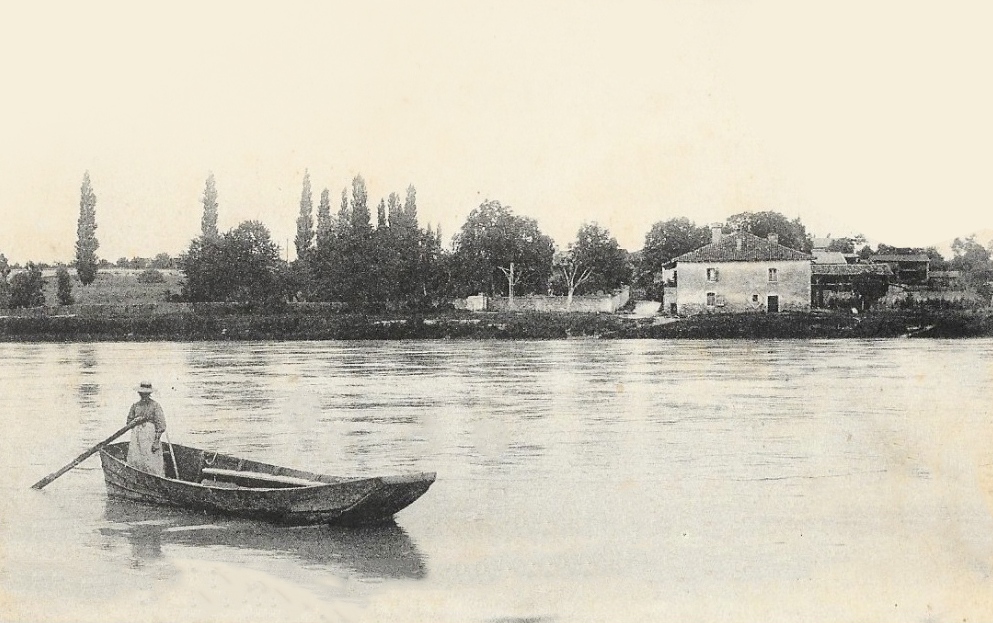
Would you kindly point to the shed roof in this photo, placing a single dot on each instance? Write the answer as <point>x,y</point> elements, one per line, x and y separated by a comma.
<point>850,269</point>
<point>742,247</point>
<point>829,257</point>
<point>900,257</point>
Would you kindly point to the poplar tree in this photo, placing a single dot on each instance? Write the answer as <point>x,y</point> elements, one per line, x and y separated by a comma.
<point>305,222</point>
<point>324,219</point>
<point>361,218</point>
<point>381,215</point>
<point>86,240</point>
<point>344,214</point>
<point>410,208</point>
<point>208,224</point>
<point>394,211</point>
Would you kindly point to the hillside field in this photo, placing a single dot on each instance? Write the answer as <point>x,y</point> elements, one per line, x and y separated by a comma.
<point>117,285</point>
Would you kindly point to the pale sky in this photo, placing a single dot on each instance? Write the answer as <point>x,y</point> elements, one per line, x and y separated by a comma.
<point>855,116</point>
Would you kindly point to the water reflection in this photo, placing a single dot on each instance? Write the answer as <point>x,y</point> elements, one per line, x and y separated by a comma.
<point>374,552</point>
<point>88,391</point>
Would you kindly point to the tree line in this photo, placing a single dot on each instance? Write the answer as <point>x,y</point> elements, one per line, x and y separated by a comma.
<point>344,255</point>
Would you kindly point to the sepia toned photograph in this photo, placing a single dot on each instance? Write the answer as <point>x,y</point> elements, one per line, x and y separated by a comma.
<point>496,312</point>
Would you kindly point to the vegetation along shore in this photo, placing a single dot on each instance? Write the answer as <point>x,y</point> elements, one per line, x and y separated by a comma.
<point>213,324</point>
<point>359,276</point>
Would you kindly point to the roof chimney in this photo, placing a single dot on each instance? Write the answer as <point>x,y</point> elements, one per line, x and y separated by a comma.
<point>774,238</point>
<point>716,231</point>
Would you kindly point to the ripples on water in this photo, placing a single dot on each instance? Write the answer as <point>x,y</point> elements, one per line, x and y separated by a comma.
<point>578,480</point>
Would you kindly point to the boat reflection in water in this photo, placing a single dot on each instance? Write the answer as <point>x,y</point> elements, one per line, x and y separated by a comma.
<point>383,551</point>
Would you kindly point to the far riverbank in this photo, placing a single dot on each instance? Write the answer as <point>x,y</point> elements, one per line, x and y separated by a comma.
<point>296,325</point>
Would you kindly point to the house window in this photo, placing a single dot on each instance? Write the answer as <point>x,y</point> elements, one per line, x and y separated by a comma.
<point>711,274</point>
<point>711,299</point>
<point>773,275</point>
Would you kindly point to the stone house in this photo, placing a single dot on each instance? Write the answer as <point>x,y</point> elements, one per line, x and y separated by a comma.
<point>739,272</point>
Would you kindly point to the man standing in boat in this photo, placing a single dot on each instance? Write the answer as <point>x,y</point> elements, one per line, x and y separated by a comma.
<point>145,449</point>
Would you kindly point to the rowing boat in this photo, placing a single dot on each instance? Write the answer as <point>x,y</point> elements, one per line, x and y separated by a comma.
<point>229,485</point>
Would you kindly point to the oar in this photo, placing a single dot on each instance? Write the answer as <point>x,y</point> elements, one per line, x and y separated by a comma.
<point>172,453</point>
<point>82,457</point>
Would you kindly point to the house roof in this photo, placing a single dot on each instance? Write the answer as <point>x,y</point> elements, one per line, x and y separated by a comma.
<point>850,269</point>
<point>829,257</point>
<point>900,257</point>
<point>742,247</point>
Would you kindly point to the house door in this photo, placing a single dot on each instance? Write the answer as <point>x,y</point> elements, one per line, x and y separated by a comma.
<point>773,304</point>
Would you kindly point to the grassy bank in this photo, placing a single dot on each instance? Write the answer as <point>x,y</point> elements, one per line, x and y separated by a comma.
<point>306,326</point>
<point>881,324</point>
<point>295,325</point>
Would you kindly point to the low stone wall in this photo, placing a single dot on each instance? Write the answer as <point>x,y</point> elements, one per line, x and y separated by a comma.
<point>605,304</point>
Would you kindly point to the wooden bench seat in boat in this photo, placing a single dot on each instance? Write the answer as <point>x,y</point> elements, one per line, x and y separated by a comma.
<point>255,479</point>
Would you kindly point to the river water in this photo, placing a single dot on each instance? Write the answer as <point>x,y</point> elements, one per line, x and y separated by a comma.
<point>579,480</point>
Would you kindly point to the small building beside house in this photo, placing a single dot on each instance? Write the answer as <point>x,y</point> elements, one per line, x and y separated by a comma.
<point>835,281</point>
<point>740,272</point>
<point>945,279</point>
<point>833,277</point>
<point>908,268</point>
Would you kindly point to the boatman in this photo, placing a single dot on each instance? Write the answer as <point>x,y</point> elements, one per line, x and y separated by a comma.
<point>145,449</point>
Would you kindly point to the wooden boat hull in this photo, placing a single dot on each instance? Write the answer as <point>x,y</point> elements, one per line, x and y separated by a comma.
<point>275,493</point>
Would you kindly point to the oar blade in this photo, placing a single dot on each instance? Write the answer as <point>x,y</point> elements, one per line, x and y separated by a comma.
<point>89,452</point>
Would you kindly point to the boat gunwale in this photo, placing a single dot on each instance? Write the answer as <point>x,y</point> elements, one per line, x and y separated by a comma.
<point>413,477</point>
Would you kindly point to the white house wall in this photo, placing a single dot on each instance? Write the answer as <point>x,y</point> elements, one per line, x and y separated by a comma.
<point>738,282</point>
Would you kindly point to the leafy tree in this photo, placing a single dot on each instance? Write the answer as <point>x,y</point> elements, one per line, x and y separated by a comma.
<point>324,226</point>
<point>64,286</point>
<point>594,262</point>
<point>885,248</point>
<point>842,245</point>
<point>665,241</point>
<point>27,287</point>
<point>86,227</point>
<point>161,261</point>
<point>151,275</point>
<point>969,255</point>
<point>973,259</point>
<point>392,265</point>
<point>241,266</point>
<point>305,222</point>
<point>4,283</point>
<point>938,261</point>
<point>791,234</point>
<point>208,223</point>
<point>570,274</point>
<point>495,247</point>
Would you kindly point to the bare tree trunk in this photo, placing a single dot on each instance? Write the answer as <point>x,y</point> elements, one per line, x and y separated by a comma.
<point>510,289</point>
<point>512,279</point>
